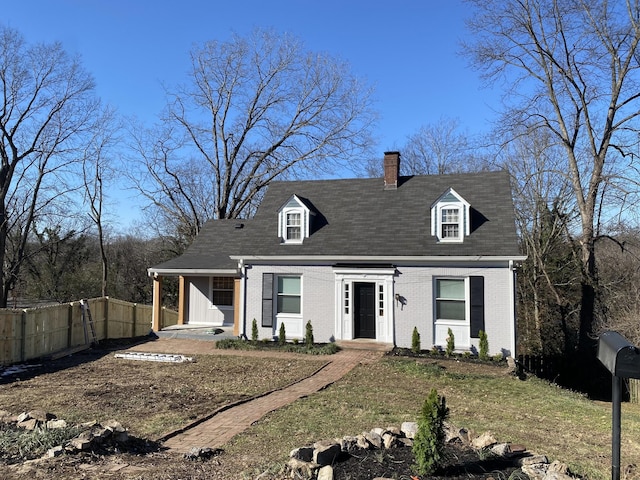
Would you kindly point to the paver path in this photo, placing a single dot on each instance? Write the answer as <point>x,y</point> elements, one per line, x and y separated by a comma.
<point>219,429</point>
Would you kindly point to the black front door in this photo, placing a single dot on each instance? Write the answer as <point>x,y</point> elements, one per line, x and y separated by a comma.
<point>364,310</point>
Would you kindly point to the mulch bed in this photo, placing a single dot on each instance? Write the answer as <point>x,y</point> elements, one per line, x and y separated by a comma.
<point>461,462</point>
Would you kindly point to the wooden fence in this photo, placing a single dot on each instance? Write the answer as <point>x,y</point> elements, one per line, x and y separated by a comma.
<point>44,331</point>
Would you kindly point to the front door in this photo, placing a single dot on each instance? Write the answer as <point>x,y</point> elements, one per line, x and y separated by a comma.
<point>364,310</point>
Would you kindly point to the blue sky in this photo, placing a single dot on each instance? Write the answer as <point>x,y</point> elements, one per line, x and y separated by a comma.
<point>407,49</point>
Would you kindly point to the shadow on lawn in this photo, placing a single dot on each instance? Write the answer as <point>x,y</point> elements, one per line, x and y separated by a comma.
<point>33,368</point>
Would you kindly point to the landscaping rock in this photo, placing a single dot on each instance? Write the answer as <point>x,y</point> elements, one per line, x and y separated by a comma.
<point>483,441</point>
<point>41,415</point>
<point>389,440</point>
<point>29,424</point>
<point>409,429</point>
<point>303,453</point>
<point>56,424</point>
<point>326,453</point>
<point>325,473</point>
<point>197,453</point>
<point>374,439</point>
<point>55,451</point>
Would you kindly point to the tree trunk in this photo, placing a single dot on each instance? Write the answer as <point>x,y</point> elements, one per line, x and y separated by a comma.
<point>586,340</point>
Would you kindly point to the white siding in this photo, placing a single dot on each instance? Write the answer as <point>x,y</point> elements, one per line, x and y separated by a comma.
<point>199,309</point>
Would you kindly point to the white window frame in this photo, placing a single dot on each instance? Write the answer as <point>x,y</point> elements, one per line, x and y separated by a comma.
<point>211,290</point>
<point>278,295</point>
<point>290,226</point>
<point>460,327</point>
<point>293,321</point>
<point>438,210</point>
<point>293,206</point>
<point>444,211</point>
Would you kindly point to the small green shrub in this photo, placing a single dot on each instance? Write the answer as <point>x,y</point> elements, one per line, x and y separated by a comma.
<point>308,338</point>
<point>282,335</point>
<point>254,331</point>
<point>451,343</point>
<point>428,445</point>
<point>415,341</point>
<point>484,345</point>
<point>466,355</point>
<point>296,341</point>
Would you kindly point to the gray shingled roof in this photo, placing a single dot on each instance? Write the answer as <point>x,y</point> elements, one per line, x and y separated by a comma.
<point>357,217</point>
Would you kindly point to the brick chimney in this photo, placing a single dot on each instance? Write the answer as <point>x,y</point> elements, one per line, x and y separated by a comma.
<point>391,170</point>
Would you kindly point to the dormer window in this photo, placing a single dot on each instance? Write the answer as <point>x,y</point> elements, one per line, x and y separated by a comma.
<point>294,221</point>
<point>450,217</point>
<point>450,223</point>
<point>293,226</point>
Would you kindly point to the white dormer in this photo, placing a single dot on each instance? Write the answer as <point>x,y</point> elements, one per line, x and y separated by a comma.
<point>450,217</point>
<point>293,221</point>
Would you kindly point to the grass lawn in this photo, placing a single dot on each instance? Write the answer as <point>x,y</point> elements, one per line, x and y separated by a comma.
<point>152,398</point>
<point>546,419</point>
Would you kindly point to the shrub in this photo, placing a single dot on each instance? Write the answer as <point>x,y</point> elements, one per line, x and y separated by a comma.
<point>415,341</point>
<point>308,338</point>
<point>451,343</point>
<point>484,345</point>
<point>254,331</point>
<point>428,444</point>
<point>282,335</point>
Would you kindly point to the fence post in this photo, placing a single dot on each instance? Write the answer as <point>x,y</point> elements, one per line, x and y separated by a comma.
<point>135,320</point>
<point>106,317</point>
<point>69,325</point>
<point>23,340</point>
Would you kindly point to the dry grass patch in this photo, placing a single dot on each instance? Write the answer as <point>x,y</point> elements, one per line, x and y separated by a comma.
<point>149,398</point>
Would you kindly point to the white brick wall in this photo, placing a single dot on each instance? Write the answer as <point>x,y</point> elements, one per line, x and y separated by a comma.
<point>413,284</point>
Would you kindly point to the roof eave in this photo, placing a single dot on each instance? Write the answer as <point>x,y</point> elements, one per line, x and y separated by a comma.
<point>380,258</point>
<point>177,272</point>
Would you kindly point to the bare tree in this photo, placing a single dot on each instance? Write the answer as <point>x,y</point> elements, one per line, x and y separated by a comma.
<point>255,109</point>
<point>571,66</point>
<point>548,306</point>
<point>436,149</point>
<point>441,148</point>
<point>46,107</point>
<point>98,170</point>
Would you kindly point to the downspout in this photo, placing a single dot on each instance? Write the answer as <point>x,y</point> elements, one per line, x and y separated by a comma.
<point>514,283</point>
<point>243,299</point>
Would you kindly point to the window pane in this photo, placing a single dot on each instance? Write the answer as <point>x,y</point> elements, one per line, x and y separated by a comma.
<point>450,289</point>
<point>223,297</point>
<point>223,282</point>
<point>293,219</point>
<point>293,233</point>
<point>288,304</point>
<point>450,215</point>
<point>450,310</point>
<point>450,231</point>
<point>289,285</point>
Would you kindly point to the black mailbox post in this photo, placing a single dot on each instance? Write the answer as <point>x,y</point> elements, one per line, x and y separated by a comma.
<point>622,359</point>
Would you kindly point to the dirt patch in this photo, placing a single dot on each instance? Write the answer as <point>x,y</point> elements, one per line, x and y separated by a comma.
<point>149,398</point>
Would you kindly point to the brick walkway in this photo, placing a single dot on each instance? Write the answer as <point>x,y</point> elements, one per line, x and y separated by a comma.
<point>224,425</point>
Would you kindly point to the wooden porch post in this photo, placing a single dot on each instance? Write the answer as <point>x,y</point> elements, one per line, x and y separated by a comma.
<point>157,303</point>
<point>181,305</point>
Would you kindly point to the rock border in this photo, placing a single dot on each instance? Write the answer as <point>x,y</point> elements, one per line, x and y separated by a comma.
<point>315,461</point>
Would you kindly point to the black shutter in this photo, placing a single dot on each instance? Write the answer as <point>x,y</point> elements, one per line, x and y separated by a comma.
<point>267,299</point>
<point>476,290</point>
